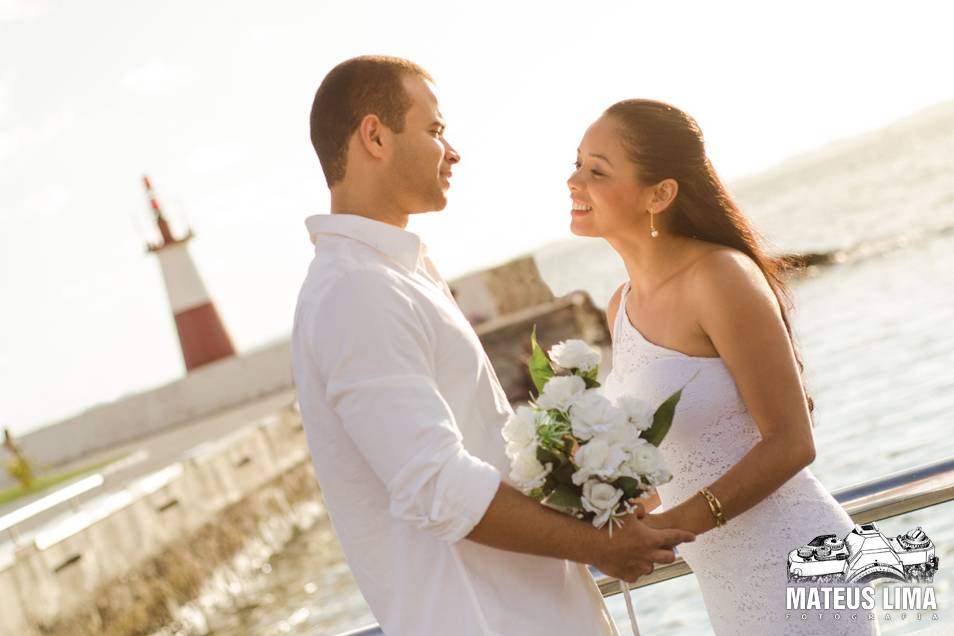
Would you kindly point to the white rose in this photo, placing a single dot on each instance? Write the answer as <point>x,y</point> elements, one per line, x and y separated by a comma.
<point>601,499</point>
<point>521,427</point>
<point>660,476</point>
<point>647,462</point>
<point>560,392</point>
<point>592,414</point>
<point>597,458</point>
<point>646,457</point>
<point>512,449</point>
<point>638,412</point>
<point>527,471</point>
<point>621,432</point>
<point>575,354</point>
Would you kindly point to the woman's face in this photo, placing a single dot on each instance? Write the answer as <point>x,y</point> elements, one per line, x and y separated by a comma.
<point>608,198</point>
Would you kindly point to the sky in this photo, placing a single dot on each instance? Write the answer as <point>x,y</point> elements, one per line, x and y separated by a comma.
<point>211,100</point>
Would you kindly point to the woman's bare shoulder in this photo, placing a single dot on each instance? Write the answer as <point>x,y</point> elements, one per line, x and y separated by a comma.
<point>727,281</point>
<point>720,270</point>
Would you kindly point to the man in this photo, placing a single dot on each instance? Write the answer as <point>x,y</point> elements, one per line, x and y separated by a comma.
<point>402,408</point>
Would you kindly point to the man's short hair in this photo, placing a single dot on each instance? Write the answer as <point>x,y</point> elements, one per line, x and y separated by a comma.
<point>370,84</point>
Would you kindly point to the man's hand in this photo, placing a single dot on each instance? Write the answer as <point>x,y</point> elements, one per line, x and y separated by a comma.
<point>659,521</point>
<point>517,523</point>
<point>636,547</point>
<point>638,509</point>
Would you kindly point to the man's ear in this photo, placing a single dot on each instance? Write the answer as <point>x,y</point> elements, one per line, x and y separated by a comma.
<point>372,133</point>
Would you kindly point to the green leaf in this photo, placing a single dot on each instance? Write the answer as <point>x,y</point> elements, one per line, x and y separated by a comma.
<point>540,368</point>
<point>563,475</point>
<point>564,497</point>
<point>630,487</point>
<point>662,419</point>
<point>589,377</point>
<point>546,456</point>
<point>552,435</point>
<point>568,446</point>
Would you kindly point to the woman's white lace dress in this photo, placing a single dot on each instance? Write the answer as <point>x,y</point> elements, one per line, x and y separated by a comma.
<point>741,567</point>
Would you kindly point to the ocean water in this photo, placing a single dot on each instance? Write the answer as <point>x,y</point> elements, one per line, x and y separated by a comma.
<point>875,331</point>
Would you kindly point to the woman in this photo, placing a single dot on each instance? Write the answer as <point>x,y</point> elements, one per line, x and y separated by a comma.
<point>704,308</point>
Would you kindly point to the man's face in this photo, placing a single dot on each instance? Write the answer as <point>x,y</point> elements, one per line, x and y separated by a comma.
<point>422,159</point>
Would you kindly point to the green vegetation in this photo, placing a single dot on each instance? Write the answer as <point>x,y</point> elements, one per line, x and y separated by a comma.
<point>21,470</point>
<point>19,467</point>
<point>45,482</point>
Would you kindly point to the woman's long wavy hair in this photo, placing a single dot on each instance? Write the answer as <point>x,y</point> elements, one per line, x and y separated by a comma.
<point>666,143</point>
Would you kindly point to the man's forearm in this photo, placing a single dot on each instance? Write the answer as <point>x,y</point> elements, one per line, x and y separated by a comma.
<point>517,523</point>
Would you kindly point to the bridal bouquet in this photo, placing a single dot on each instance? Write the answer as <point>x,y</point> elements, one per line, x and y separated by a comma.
<point>576,451</point>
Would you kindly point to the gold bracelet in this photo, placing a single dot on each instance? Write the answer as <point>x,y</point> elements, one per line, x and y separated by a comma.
<point>715,507</point>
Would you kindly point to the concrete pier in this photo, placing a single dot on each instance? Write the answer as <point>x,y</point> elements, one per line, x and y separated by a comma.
<point>59,572</point>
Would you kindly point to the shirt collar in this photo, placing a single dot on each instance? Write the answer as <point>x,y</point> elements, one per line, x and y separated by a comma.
<point>400,245</point>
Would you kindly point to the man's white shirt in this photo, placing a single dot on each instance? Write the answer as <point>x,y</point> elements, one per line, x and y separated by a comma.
<point>403,414</point>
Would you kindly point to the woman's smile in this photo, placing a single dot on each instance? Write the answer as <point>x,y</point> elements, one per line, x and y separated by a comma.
<point>580,209</point>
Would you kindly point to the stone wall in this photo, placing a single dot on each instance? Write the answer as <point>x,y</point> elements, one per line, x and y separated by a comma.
<point>507,339</point>
<point>66,567</point>
<point>502,290</point>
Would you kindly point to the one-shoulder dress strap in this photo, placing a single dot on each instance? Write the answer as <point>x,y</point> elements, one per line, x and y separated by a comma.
<point>620,316</point>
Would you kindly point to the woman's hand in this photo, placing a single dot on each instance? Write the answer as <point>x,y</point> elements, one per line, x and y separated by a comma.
<point>692,515</point>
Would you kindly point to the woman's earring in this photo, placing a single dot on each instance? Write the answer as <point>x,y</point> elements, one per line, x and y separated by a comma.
<point>653,232</point>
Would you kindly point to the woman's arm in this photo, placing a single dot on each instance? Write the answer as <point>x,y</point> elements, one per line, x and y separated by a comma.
<point>739,313</point>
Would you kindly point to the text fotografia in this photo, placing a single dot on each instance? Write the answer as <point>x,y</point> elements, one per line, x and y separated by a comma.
<point>841,599</point>
<point>854,617</point>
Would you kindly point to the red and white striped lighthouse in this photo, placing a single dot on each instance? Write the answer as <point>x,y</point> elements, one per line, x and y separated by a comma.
<point>201,334</point>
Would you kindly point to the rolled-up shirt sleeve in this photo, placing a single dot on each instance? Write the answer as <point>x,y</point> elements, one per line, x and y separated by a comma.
<point>375,351</point>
